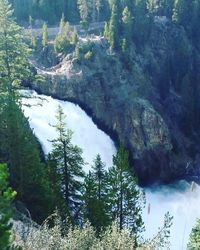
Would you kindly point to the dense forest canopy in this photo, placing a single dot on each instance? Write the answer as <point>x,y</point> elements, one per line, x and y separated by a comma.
<point>182,11</point>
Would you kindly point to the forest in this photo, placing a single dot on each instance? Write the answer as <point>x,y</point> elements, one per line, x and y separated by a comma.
<point>101,209</point>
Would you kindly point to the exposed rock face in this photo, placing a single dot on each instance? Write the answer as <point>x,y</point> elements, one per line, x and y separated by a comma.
<point>138,100</point>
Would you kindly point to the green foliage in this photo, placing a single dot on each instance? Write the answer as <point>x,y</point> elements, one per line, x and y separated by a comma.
<point>85,51</point>
<point>127,21</point>
<point>88,55</point>
<point>126,199</point>
<point>27,173</point>
<point>44,35</point>
<point>68,163</point>
<point>194,241</point>
<point>18,146</point>
<point>6,197</point>
<point>62,44</point>
<point>65,40</point>
<point>74,37</point>
<point>13,57</point>
<point>95,196</point>
<point>113,36</point>
<point>84,11</point>
<point>161,239</point>
<point>85,238</point>
<point>78,51</point>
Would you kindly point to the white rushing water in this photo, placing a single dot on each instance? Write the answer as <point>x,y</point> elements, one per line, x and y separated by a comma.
<point>41,111</point>
<point>178,199</point>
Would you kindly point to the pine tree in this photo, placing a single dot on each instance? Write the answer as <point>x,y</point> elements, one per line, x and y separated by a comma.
<point>127,22</point>
<point>6,197</point>
<point>106,31</point>
<point>14,52</point>
<point>69,161</point>
<point>99,175</point>
<point>114,28</point>
<point>126,200</point>
<point>74,37</point>
<point>83,9</point>
<point>44,35</point>
<point>20,150</point>
<point>98,4</point>
<point>95,197</point>
<point>62,25</point>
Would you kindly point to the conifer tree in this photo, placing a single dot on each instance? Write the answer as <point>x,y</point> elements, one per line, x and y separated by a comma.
<point>127,24</point>
<point>126,200</point>
<point>69,163</point>
<point>95,197</point>
<point>83,9</point>
<point>6,197</point>
<point>98,4</point>
<point>14,52</point>
<point>62,25</point>
<point>106,31</point>
<point>44,35</point>
<point>20,150</point>
<point>74,37</point>
<point>114,28</point>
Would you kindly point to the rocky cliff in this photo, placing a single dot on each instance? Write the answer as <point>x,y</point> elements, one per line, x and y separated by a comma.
<point>146,98</point>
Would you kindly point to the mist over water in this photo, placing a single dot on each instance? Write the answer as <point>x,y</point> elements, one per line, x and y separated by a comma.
<point>182,202</point>
<point>41,111</point>
<point>178,199</point>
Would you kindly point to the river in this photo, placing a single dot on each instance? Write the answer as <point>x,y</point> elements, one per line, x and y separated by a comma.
<point>179,199</point>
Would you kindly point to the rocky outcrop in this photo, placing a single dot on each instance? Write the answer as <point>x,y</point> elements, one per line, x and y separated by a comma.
<point>137,98</point>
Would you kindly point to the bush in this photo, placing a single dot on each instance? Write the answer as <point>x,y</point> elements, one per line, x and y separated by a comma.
<point>194,242</point>
<point>85,238</point>
<point>88,55</point>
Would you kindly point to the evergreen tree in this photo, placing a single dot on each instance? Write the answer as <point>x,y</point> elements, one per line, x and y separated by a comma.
<point>106,31</point>
<point>32,37</point>
<point>44,35</point>
<point>62,42</point>
<point>69,163</point>
<point>55,180</point>
<point>126,199</point>
<point>62,24</point>
<point>14,52</point>
<point>95,197</point>
<point>83,9</point>
<point>74,37</point>
<point>98,4</point>
<point>114,28</point>
<point>20,150</point>
<point>6,197</point>
<point>127,21</point>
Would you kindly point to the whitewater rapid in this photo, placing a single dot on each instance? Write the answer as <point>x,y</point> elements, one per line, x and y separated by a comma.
<point>41,111</point>
<point>182,202</point>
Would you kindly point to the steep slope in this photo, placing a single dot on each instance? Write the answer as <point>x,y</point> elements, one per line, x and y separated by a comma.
<point>147,98</point>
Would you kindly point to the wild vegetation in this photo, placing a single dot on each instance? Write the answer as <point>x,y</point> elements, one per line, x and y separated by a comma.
<point>101,209</point>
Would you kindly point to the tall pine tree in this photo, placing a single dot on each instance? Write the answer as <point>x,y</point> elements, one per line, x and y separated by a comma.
<point>126,199</point>
<point>95,196</point>
<point>69,163</point>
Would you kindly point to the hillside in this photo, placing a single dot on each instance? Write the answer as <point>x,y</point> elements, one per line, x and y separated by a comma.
<point>147,98</point>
